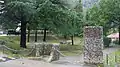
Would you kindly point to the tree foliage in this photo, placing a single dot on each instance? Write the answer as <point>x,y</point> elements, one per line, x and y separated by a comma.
<point>19,11</point>
<point>58,19</point>
<point>42,14</point>
<point>106,13</point>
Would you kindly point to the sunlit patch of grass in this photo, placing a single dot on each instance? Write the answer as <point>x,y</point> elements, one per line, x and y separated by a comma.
<point>75,49</point>
<point>11,41</point>
<point>113,59</point>
<point>117,53</point>
<point>72,53</point>
<point>71,49</point>
<point>67,49</point>
<point>53,41</point>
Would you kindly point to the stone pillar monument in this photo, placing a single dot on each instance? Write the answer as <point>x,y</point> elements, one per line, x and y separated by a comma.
<point>54,55</point>
<point>93,44</point>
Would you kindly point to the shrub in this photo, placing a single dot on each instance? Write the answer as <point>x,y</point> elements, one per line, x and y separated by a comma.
<point>116,42</point>
<point>107,41</point>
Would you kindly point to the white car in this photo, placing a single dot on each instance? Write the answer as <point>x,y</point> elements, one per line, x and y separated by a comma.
<point>1,32</point>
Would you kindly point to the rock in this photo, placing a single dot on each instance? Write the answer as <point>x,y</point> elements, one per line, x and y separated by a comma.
<point>69,42</point>
<point>54,55</point>
<point>43,49</point>
<point>2,59</point>
<point>62,42</point>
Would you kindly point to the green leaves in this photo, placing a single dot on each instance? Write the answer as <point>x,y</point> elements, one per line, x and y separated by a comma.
<point>49,14</point>
<point>18,10</point>
<point>106,11</point>
<point>106,14</point>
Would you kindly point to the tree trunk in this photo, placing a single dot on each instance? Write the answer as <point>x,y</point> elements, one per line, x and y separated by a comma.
<point>44,39</point>
<point>72,40</point>
<point>35,35</point>
<point>119,33</point>
<point>65,36</point>
<point>23,35</point>
<point>28,39</point>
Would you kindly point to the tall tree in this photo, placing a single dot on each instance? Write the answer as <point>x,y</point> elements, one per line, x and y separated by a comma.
<point>72,24</point>
<point>106,14</point>
<point>4,22</point>
<point>49,15</point>
<point>20,11</point>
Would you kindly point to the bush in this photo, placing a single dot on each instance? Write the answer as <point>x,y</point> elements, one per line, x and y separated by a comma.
<point>107,41</point>
<point>116,42</point>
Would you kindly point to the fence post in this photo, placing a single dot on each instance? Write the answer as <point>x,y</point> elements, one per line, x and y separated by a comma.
<point>3,49</point>
<point>115,58</point>
<point>107,59</point>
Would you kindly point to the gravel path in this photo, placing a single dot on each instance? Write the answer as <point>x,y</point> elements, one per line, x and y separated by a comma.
<point>78,60</point>
<point>111,49</point>
<point>69,61</point>
<point>32,63</point>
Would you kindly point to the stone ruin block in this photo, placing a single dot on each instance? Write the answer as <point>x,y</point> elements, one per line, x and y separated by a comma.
<point>93,44</point>
<point>51,50</point>
<point>54,55</point>
<point>42,49</point>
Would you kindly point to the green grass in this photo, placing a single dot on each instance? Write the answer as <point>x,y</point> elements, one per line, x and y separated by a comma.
<point>70,50</point>
<point>67,49</point>
<point>53,41</point>
<point>113,58</point>
<point>117,53</point>
<point>72,53</point>
<point>11,41</point>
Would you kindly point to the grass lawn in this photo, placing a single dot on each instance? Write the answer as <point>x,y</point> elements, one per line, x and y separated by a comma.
<point>113,59</point>
<point>70,50</point>
<point>117,53</point>
<point>66,49</point>
<point>11,41</point>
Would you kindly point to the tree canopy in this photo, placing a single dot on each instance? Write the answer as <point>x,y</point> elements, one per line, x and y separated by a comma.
<point>106,14</point>
<point>41,14</point>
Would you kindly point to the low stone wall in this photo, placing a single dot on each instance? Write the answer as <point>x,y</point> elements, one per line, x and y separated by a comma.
<point>42,49</point>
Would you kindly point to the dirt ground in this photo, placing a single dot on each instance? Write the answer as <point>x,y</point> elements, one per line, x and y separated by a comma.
<point>33,63</point>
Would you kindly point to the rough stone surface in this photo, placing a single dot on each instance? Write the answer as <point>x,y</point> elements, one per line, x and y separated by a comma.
<point>93,40</point>
<point>43,49</point>
<point>54,55</point>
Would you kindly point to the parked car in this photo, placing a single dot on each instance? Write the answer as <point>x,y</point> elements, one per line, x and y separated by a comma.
<point>12,32</point>
<point>1,32</point>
